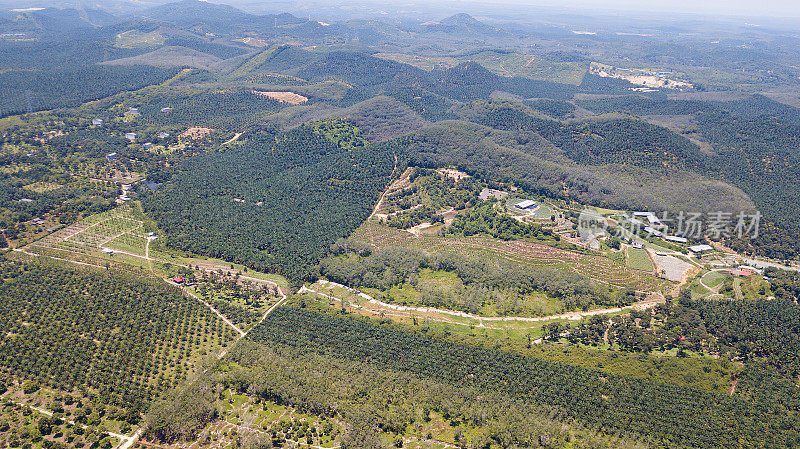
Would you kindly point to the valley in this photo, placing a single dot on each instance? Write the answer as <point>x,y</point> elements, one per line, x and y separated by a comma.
<point>250,228</point>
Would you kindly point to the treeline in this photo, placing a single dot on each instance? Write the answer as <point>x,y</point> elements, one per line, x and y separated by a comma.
<point>533,163</point>
<point>376,404</point>
<point>744,330</point>
<point>358,266</point>
<point>666,415</point>
<point>486,219</point>
<point>275,203</point>
<point>71,86</point>
<point>607,141</point>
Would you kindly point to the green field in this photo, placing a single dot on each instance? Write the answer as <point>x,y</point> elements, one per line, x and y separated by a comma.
<point>501,63</point>
<point>638,259</point>
<point>595,267</point>
<point>125,230</point>
<point>714,279</point>
<point>139,39</point>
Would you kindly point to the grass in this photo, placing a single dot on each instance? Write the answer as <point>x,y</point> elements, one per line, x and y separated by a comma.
<point>42,187</point>
<point>639,259</point>
<point>518,330</point>
<point>594,266</point>
<point>504,64</point>
<point>139,39</point>
<point>714,279</point>
<point>125,228</point>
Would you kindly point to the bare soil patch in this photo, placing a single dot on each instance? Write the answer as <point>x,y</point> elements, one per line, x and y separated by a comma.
<point>196,132</point>
<point>284,97</point>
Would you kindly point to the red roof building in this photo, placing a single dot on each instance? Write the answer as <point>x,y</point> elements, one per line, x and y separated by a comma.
<point>178,279</point>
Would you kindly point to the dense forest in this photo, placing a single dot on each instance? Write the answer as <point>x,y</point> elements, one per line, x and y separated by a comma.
<point>276,202</point>
<point>619,405</point>
<point>755,142</point>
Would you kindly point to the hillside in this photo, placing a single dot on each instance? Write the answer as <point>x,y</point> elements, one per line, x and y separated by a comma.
<point>413,226</point>
<point>170,57</point>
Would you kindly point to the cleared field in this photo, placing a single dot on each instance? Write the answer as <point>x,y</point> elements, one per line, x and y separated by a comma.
<point>42,187</point>
<point>125,231</point>
<point>501,63</point>
<point>638,259</point>
<point>139,39</point>
<point>714,279</point>
<point>284,97</point>
<point>596,267</point>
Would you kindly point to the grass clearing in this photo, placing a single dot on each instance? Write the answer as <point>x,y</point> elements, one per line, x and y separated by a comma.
<point>639,259</point>
<point>596,267</point>
<point>714,279</point>
<point>138,39</point>
<point>125,230</point>
<point>42,187</point>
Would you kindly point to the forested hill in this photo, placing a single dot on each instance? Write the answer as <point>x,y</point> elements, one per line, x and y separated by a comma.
<point>277,201</point>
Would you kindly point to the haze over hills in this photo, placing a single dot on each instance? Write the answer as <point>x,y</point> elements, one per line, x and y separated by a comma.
<point>332,226</point>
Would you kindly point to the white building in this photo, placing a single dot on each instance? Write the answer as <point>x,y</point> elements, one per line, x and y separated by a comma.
<point>97,122</point>
<point>697,249</point>
<point>527,205</point>
<point>675,239</point>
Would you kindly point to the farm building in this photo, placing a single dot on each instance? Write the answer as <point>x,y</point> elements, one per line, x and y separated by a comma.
<point>527,205</point>
<point>108,251</point>
<point>163,135</point>
<point>697,249</point>
<point>651,217</point>
<point>165,110</point>
<point>752,270</point>
<point>111,156</point>
<point>97,122</point>
<point>741,273</point>
<point>133,111</point>
<point>636,244</point>
<point>178,279</point>
<point>147,146</point>
<point>130,136</point>
<point>653,232</point>
<point>487,193</point>
<point>25,200</point>
<point>675,239</point>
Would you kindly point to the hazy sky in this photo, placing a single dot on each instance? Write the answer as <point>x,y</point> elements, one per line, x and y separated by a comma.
<point>779,8</point>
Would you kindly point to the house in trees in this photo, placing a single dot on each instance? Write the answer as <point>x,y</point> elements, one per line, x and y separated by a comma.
<point>131,136</point>
<point>97,122</point>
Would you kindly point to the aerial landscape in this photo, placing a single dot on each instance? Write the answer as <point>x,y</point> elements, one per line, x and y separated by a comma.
<point>303,224</point>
